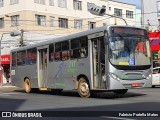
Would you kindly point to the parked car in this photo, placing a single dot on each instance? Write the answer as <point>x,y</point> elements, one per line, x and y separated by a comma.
<point>156,76</point>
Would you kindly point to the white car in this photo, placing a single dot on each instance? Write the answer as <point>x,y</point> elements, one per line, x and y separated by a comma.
<point>156,76</point>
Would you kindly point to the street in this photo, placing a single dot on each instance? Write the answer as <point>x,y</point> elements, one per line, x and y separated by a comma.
<point>135,100</point>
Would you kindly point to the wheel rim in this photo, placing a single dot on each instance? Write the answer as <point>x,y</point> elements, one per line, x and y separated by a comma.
<point>84,89</point>
<point>27,86</point>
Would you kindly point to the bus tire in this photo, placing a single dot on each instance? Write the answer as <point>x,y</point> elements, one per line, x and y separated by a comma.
<point>83,88</point>
<point>153,86</point>
<point>120,91</point>
<point>27,85</point>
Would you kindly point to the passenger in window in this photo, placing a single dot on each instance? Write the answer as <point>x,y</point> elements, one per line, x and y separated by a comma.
<point>82,52</point>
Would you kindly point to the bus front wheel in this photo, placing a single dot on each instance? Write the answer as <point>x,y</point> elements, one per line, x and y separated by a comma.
<point>27,85</point>
<point>83,88</point>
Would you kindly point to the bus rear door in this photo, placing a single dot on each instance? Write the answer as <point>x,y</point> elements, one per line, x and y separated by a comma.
<point>42,67</point>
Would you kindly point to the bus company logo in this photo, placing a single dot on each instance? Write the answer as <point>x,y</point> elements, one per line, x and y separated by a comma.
<point>72,67</point>
<point>6,114</point>
<point>21,114</point>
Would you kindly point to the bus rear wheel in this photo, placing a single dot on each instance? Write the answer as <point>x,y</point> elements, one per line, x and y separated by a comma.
<point>27,85</point>
<point>120,91</point>
<point>83,88</point>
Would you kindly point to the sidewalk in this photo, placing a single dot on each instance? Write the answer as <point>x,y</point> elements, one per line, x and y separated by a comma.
<point>9,88</point>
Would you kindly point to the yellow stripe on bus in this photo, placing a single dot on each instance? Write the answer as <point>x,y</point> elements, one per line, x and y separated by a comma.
<point>43,88</point>
<point>123,63</point>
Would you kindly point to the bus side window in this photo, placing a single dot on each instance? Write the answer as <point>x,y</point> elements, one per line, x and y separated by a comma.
<point>21,56</point>
<point>58,53</point>
<point>31,56</point>
<point>65,50</point>
<point>51,52</point>
<point>79,47</point>
<point>14,57</point>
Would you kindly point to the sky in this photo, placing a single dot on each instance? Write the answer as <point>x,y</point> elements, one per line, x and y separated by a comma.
<point>135,2</point>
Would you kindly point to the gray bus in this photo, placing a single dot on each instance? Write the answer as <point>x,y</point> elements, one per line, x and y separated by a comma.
<point>108,58</point>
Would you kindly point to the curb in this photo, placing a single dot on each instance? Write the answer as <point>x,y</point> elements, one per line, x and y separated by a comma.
<point>6,86</point>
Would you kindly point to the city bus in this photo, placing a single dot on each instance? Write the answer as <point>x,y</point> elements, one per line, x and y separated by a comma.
<point>97,60</point>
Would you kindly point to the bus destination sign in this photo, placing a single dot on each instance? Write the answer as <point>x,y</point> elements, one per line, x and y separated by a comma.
<point>127,30</point>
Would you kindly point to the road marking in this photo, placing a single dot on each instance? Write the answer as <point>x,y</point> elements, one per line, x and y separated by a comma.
<point>117,118</point>
<point>1,94</point>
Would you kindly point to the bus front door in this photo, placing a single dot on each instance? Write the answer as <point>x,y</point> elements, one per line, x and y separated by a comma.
<point>98,55</point>
<point>42,68</point>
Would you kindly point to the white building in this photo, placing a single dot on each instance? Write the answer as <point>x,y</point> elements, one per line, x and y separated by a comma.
<point>124,10</point>
<point>151,14</point>
<point>43,19</point>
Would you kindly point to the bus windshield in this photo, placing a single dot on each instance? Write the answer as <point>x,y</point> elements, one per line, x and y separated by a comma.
<point>129,51</point>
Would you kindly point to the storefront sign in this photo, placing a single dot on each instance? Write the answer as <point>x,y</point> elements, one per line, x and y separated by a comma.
<point>5,59</point>
<point>154,40</point>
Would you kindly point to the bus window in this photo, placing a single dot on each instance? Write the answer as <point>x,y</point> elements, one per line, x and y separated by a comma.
<point>51,52</point>
<point>65,50</point>
<point>14,55</point>
<point>58,53</point>
<point>79,48</point>
<point>31,56</point>
<point>21,56</point>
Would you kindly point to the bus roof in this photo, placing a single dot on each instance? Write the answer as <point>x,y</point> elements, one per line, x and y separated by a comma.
<point>67,37</point>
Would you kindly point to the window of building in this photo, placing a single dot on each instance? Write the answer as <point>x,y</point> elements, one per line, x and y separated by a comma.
<point>40,20</point>
<point>14,20</point>
<point>14,57</point>
<point>1,3</point>
<point>51,52</point>
<point>51,2</point>
<point>129,14</point>
<point>79,48</point>
<point>78,24</point>
<point>63,23</point>
<point>14,2</point>
<point>39,1</point>
<point>1,22</point>
<point>62,3</point>
<point>51,21</point>
<point>91,25</point>
<point>118,12</point>
<point>31,56</point>
<point>21,57</point>
<point>77,5</point>
<point>109,8</point>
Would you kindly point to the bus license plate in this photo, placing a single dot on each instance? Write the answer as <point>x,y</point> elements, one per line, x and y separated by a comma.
<point>135,84</point>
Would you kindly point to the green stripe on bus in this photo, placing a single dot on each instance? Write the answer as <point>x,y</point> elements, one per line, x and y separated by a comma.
<point>59,84</point>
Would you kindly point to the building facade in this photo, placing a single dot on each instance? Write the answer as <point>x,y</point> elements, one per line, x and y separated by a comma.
<point>151,14</point>
<point>124,10</point>
<point>43,19</point>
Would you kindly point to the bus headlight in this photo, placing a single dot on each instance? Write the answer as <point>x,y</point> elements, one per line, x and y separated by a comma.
<point>149,76</point>
<point>114,76</point>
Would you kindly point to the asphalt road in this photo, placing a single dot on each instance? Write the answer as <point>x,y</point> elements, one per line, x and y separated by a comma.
<point>148,99</point>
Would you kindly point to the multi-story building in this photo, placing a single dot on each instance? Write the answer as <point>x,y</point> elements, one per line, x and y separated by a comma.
<point>124,10</point>
<point>151,14</point>
<point>56,17</point>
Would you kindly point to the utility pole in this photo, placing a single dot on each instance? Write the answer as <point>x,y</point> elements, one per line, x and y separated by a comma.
<point>142,14</point>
